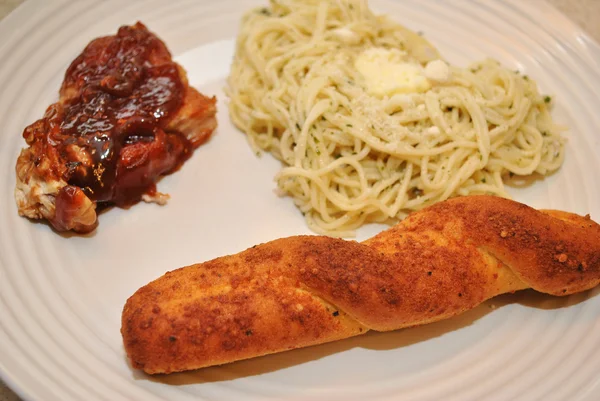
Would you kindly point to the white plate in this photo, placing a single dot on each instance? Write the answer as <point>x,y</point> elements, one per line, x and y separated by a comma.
<point>61,297</point>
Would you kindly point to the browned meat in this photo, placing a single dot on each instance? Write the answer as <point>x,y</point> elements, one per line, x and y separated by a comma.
<point>126,115</point>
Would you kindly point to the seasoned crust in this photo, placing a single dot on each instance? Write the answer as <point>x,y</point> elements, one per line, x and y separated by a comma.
<point>306,290</point>
<point>554,252</point>
<point>209,315</point>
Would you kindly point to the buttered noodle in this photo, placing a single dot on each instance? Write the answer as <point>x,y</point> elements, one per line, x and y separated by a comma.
<point>351,157</point>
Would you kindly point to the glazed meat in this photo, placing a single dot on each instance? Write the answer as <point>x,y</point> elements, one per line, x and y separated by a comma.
<point>126,116</point>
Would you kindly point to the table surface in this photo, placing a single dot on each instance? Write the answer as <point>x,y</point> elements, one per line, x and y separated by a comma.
<point>586,13</point>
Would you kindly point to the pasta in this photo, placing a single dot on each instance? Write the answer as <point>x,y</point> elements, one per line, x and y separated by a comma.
<point>355,148</point>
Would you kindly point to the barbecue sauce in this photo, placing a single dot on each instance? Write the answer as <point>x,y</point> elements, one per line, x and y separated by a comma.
<point>118,96</point>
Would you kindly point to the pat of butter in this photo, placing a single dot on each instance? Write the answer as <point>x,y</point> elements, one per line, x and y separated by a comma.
<point>386,73</point>
<point>437,70</point>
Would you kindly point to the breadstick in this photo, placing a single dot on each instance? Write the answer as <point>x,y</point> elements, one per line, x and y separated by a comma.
<point>305,290</point>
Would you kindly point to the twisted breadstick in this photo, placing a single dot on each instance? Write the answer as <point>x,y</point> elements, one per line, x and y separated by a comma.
<point>306,290</point>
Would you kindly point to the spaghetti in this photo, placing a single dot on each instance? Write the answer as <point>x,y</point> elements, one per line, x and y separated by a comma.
<point>354,155</point>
